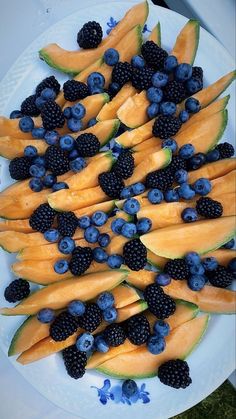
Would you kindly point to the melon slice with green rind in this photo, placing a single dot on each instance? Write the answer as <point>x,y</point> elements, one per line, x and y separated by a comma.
<point>186,44</point>
<point>213,170</point>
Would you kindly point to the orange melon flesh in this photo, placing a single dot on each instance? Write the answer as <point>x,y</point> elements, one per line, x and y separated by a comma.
<point>223,185</point>
<point>59,295</point>
<point>21,226</point>
<point>140,155</point>
<point>200,236</point>
<point>134,106</point>
<point>150,143</point>
<point>22,207</point>
<point>125,295</point>
<point>109,110</point>
<point>135,136</point>
<point>156,260</point>
<point>141,363</point>
<point>155,35</point>
<point>213,170</point>
<point>186,44</point>
<point>14,147</point>
<point>116,245</point>
<point>223,256</point>
<point>72,62</point>
<point>132,309</point>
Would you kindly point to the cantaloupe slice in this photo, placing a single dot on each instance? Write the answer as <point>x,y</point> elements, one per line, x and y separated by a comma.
<point>223,256</point>
<point>201,236</point>
<point>14,147</point>
<point>132,309</point>
<point>106,206</point>
<point>59,295</point>
<point>186,44</point>
<point>213,170</point>
<point>140,155</point>
<point>155,35</point>
<point>223,185</point>
<point>72,62</point>
<point>22,207</point>
<point>135,136</point>
<point>141,363</point>
<point>145,145</point>
<point>125,295</point>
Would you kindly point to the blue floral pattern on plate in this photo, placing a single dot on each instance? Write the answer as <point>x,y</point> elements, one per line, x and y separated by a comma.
<point>112,23</point>
<point>107,392</point>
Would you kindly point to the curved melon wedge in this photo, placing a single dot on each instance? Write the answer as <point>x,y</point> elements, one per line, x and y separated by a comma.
<point>186,45</point>
<point>223,256</point>
<point>201,236</point>
<point>155,35</point>
<point>141,363</point>
<point>22,207</point>
<point>109,110</point>
<point>213,170</point>
<point>133,112</point>
<point>135,136</point>
<point>20,226</point>
<point>14,147</point>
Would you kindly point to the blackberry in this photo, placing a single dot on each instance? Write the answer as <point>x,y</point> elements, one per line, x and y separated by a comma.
<point>19,168</point>
<point>63,326</point>
<point>226,150</point>
<point>138,329</point>
<point>114,335</point>
<point>87,145</point>
<point>17,290</point>
<point>174,91</point>
<point>209,208</point>
<point>91,318</point>
<point>111,184</point>
<point>142,78</point>
<point>177,269</point>
<point>160,304</point>
<point>135,254</point>
<point>56,160</point>
<point>153,55</point>
<point>74,90</point>
<point>75,361</point>
<point>90,35</point>
<point>175,373</point>
<point>124,166</point>
<point>220,277</point>
<point>42,218</point>
<point>81,260</point>
<point>50,82</point>
<point>52,115</point>
<point>28,106</point>
<point>166,126</point>
<point>161,179</point>
<point>177,163</point>
<point>67,223</point>
<point>197,73</point>
<point>121,73</point>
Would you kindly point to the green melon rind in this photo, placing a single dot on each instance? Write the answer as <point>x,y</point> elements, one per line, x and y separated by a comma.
<point>13,345</point>
<point>159,34</point>
<point>219,92</point>
<point>196,37</point>
<point>112,133</point>
<point>43,55</point>
<point>224,116</point>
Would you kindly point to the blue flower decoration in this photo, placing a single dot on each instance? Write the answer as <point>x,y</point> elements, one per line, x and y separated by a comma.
<point>145,28</point>
<point>106,392</point>
<point>112,23</point>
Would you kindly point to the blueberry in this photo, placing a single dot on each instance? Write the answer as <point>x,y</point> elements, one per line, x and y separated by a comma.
<point>110,315</point>
<point>186,151</point>
<point>154,94</point>
<point>66,245</point>
<point>209,263</point>
<point>137,61</point>
<point>96,90</point>
<point>129,230</point>
<point>105,300</point>
<point>40,102</point>
<point>84,342</point>
<point>100,344</point>
<point>167,108</point>
<point>84,222</point>
<point>115,261</point>
<point>74,124</point>
<point>59,185</point>
<point>78,111</point>
<point>163,279</point>
<point>144,225</point>
<point>26,124</point>
<point>159,79</point>
<point>104,239</point>
<point>99,218</point>
<point>196,282</point>
<point>202,186</point>
<point>61,266</point>
<point>51,137</point>
<point>67,112</point>
<point>73,154</point>
<point>171,195</point>
<point>48,94</point>
<point>38,132</point>
<point>76,308</point>
<point>15,114</point>
<point>114,88</point>
<point>30,151</point>
<point>155,196</point>
<point>37,171</point>
<point>152,110</point>
<point>189,215</point>
<point>212,155</point>
<point>185,191</point>
<point>184,116</point>
<point>117,225</point>
<point>66,142</point>
<point>161,328</point>
<point>49,180</point>
<point>192,105</point>
<point>197,269</point>
<point>232,265</point>
<point>99,255</point>
<point>39,161</point>
<point>131,206</point>
<point>181,176</point>
<point>170,63</point>
<point>229,245</point>
<point>111,56</point>
<point>129,388</point>
<point>196,161</point>
<point>192,259</point>
<point>137,188</point>
<point>171,144</point>
<point>95,80</point>
<point>156,344</point>
<point>77,164</point>
<point>51,235</point>
<point>126,193</point>
<point>194,85</point>
<point>46,315</point>
<point>183,72</point>
<point>92,122</point>
<point>35,184</point>
<point>91,234</point>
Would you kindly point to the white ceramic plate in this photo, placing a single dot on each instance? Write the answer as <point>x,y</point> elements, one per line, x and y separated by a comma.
<point>213,361</point>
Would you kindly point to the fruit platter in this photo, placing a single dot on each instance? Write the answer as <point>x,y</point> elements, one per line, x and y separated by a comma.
<point>117,215</point>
